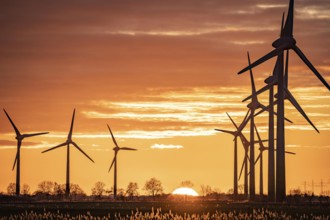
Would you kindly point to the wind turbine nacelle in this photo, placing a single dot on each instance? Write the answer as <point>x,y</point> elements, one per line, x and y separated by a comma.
<point>253,105</point>
<point>270,80</point>
<point>287,42</point>
<point>285,95</point>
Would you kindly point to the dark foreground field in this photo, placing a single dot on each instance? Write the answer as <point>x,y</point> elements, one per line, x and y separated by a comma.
<point>196,208</point>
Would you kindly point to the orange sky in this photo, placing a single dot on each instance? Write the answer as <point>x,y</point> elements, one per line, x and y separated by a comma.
<point>162,74</point>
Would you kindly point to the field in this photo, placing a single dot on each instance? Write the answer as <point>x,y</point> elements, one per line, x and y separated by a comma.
<point>162,210</point>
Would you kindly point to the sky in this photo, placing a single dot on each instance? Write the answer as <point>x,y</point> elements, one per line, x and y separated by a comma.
<point>162,74</point>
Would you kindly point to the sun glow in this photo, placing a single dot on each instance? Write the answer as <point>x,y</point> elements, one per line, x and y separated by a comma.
<point>185,191</point>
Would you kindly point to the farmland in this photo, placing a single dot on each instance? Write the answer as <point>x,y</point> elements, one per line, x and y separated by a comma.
<point>164,210</point>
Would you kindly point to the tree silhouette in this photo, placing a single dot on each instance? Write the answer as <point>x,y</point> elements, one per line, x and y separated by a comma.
<point>46,187</point>
<point>26,189</point>
<point>11,189</point>
<point>131,190</point>
<point>153,187</point>
<point>98,189</point>
<point>206,190</point>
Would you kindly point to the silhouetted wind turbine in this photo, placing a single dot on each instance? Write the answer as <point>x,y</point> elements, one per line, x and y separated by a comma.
<point>67,143</point>
<point>17,162</point>
<point>246,145</point>
<point>262,148</point>
<point>285,42</point>
<point>243,139</point>
<point>114,161</point>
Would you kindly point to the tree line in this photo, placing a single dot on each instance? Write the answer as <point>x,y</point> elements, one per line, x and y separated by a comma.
<point>152,187</point>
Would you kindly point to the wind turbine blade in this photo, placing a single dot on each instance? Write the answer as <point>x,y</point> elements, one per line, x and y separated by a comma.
<point>298,107</point>
<point>264,108</point>
<point>35,134</point>
<point>259,138</point>
<point>244,140</point>
<point>286,74</point>
<point>231,120</point>
<point>288,27</point>
<point>310,65</point>
<point>15,162</point>
<point>244,122</point>
<point>265,88</point>
<point>240,173</point>
<point>12,123</point>
<point>268,56</point>
<point>60,145</point>
<point>72,121</point>
<point>251,75</point>
<point>287,152</point>
<point>226,131</point>
<point>82,151</point>
<point>113,138</point>
<point>257,158</point>
<point>246,115</point>
<point>127,148</point>
<point>113,161</point>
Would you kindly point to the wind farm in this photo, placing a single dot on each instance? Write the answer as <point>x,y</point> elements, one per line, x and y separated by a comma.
<point>206,94</point>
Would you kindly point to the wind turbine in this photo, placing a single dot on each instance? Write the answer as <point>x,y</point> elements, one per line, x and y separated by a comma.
<point>253,106</point>
<point>285,42</point>
<point>114,161</point>
<point>262,148</point>
<point>246,145</point>
<point>67,143</point>
<point>17,162</point>
<point>243,139</point>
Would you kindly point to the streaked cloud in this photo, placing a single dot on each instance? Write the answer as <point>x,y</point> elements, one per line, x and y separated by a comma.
<point>166,146</point>
<point>29,145</point>
<point>247,42</point>
<point>268,6</point>
<point>313,12</point>
<point>305,146</point>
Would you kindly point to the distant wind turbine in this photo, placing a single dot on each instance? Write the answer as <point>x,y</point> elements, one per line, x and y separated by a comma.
<point>262,148</point>
<point>244,142</point>
<point>67,143</point>
<point>114,161</point>
<point>17,162</point>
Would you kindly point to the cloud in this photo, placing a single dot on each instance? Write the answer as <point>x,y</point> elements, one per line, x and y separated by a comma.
<point>27,145</point>
<point>313,12</point>
<point>305,146</point>
<point>248,42</point>
<point>269,6</point>
<point>165,146</point>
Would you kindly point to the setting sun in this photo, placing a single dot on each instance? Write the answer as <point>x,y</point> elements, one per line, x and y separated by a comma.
<point>185,191</point>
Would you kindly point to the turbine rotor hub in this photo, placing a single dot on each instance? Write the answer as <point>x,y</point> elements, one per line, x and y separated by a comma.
<point>287,42</point>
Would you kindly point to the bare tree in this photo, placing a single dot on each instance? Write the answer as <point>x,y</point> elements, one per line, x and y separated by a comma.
<point>153,187</point>
<point>59,189</point>
<point>240,188</point>
<point>98,189</point>
<point>206,190</point>
<point>46,187</point>
<point>131,190</point>
<point>75,189</point>
<point>11,189</point>
<point>26,189</point>
<point>187,183</point>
